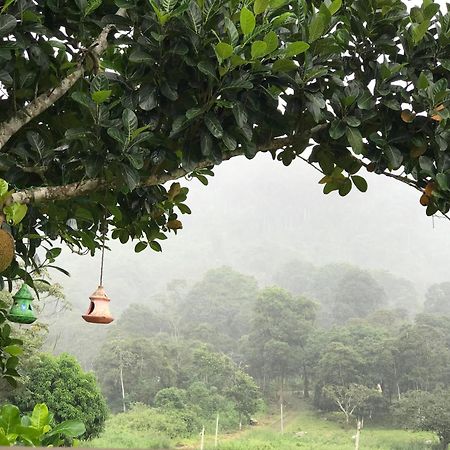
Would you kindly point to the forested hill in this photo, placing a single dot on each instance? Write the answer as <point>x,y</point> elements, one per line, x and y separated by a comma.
<point>255,216</point>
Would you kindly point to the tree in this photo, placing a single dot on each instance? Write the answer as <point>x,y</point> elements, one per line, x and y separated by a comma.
<point>48,380</point>
<point>219,307</point>
<point>357,295</point>
<point>349,398</point>
<point>280,327</point>
<point>428,411</point>
<point>103,102</point>
<point>437,299</point>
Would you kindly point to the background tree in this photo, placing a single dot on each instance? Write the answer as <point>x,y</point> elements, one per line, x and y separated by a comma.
<point>349,398</point>
<point>437,299</point>
<point>357,295</point>
<point>48,380</point>
<point>420,410</point>
<point>280,327</point>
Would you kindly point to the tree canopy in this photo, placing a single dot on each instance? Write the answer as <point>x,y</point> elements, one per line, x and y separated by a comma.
<point>104,101</point>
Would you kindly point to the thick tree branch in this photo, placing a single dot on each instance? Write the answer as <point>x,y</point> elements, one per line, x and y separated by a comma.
<point>52,193</point>
<point>47,99</point>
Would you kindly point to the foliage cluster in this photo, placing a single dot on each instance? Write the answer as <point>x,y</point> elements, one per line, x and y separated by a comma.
<point>37,429</point>
<point>69,392</point>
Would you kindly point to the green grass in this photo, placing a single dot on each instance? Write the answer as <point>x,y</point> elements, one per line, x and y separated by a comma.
<point>321,434</point>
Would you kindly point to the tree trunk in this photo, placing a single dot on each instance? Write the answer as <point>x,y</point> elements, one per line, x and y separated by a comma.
<point>305,383</point>
<point>123,389</point>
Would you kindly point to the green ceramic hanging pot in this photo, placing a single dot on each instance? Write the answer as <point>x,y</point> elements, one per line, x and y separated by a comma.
<point>22,310</point>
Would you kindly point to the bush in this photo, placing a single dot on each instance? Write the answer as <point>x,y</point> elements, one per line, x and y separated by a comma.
<point>69,392</point>
<point>169,423</point>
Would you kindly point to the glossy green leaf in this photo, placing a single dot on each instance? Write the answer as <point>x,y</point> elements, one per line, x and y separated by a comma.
<point>271,39</point>
<point>224,50</point>
<point>317,26</point>
<point>360,183</point>
<point>259,49</point>
<point>260,6</point>
<point>247,21</point>
<point>355,140</point>
<point>69,428</point>
<point>15,212</point>
<point>295,48</point>
<point>101,96</point>
<point>7,24</point>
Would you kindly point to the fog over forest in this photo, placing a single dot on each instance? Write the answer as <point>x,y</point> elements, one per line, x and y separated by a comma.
<point>257,215</point>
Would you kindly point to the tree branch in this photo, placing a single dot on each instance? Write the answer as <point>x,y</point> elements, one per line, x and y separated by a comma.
<point>47,99</point>
<point>52,193</point>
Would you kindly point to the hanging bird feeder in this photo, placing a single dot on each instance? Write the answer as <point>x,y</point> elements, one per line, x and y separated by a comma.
<point>22,310</point>
<point>98,311</point>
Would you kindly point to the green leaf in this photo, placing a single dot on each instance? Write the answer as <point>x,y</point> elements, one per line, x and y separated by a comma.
<point>91,6</point>
<point>419,30</point>
<point>101,96</point>
<point>40,416</point>
<point>10,415</point>
<point>422,82</point>
<point>317,26</point>
<point>7,4</point>
<point>117,135</point>
<point>366,101</point>
<point>13,350</point>
<point>207,68</point>
<point>206,144</point>
<point>229,141</point>
<point>3,187</point>
<point>83,99</point>
<point>271,39</point>
<point>130,122</point>
<point>355,140</point>
<point>259,48</point>
<point>147,98</point>
<point>360,183</point>
<point>36,142</point>
<point>15,212</point>
<point>337,129</point>
<point>232,31</point>
<point>69,428</point>
<point>442,180</point>
<point>345,187</point>
<point>430,11</point>
<point>214,126</point>
<point>7,24</point>
<point>140,246</point>
<point>335,6</point>
<point>247,21</point>
<point>131,177</point>
<point>223,51</point>
<point>295,48</point>
<point>4,442</point>
<point>260,6</point>
<point>394,157</point>
<point>155,246</point>
<point>284,65</point>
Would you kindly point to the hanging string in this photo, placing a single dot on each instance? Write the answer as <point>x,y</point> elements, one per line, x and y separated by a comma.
<point>103,248</point>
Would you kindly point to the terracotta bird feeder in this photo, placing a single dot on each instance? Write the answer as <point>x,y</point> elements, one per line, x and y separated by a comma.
<point>98,311</point>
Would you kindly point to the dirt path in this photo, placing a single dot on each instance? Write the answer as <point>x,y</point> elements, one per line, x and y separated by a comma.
<point>270,421</point>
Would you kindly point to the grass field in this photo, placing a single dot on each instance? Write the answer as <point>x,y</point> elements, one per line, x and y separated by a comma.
<point>320,434</point>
